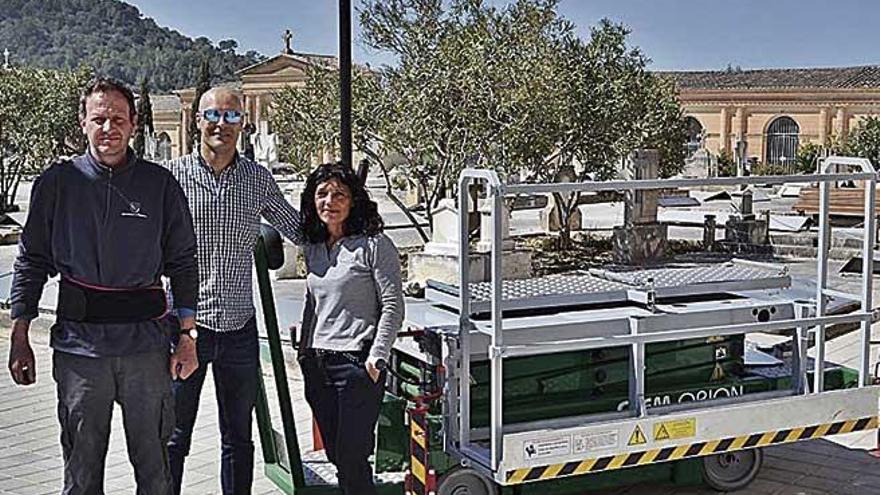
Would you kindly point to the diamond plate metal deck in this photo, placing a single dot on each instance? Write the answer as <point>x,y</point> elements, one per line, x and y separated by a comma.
<point>550,291</point>
<point>319,471</point>
<point>690,276</point>
<point>607,286</point>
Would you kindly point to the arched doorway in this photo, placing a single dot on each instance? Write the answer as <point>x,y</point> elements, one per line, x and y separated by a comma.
<point>694,135</point>
<point>782,141</point>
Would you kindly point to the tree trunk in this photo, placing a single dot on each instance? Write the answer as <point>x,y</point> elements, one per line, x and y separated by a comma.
<point>389,190</point>
<point>423,193</point>
<point>565,209</point>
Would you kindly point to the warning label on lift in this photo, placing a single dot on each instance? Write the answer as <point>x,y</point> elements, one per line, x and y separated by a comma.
<point>596,441</point>
<point>551,447</point>
<point>637,437</point>
<point>675,430</point>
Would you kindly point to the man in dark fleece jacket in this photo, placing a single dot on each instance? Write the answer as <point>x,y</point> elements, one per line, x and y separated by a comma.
<point>111,225</point>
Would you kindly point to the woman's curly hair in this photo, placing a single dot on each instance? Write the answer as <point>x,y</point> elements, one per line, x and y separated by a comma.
<point>363,218</point>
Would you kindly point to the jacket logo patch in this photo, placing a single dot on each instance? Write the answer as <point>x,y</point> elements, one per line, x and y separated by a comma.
<point>134,210</point>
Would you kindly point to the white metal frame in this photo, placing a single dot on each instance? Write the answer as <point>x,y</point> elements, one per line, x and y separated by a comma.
<point>493,461</point>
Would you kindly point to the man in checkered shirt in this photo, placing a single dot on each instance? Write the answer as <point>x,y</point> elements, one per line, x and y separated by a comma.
<point>227,193</point>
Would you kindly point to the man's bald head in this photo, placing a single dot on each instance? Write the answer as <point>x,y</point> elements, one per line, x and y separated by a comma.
<point>219,137</point>
<point>217,95</point>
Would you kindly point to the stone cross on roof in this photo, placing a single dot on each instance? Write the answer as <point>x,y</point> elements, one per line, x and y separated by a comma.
<point>287,37</point>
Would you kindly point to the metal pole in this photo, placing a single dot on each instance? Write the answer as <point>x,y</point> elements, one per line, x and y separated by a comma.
<point>822,282</point>
<point>801,347</point>
<point>464,315</point>
<point>496,196</point>
<point>867,281</point>
<point>288,421</point>
<point>345,81</point>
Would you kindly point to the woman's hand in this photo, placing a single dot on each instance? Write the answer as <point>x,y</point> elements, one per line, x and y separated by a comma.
<point>373,367</point>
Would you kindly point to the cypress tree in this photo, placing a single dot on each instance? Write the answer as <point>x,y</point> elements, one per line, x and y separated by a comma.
<point>202,86</point>
<point>144,118</point>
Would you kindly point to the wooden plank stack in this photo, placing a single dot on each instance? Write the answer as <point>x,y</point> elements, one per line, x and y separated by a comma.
<point>845,201</point>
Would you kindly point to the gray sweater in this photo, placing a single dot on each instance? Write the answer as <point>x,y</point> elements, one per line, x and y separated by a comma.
<point>353,295</point>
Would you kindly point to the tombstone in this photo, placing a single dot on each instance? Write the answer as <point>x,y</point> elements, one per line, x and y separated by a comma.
<point>247,141</point>
<point>745,233</point>
<point>709,227</point>
<point>265,146</point>
<point>515,263</point>
<point>485,243</point>
<point>444,229</point>
<point>412,195</point>
<point>439,259</point>
<point>294,263</point>
<point>641,239</point>
<point>698,165</point>
<point>151,147</point>
<point>640,207</point>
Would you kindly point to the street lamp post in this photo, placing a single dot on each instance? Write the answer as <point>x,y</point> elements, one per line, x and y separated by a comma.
<point>345,81</point>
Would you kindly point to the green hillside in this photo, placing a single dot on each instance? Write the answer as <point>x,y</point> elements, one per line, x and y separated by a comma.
<point>113,38</point>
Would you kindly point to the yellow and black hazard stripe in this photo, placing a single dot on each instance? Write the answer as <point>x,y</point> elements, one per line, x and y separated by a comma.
<point>418,448</point>
<point>609,463</point>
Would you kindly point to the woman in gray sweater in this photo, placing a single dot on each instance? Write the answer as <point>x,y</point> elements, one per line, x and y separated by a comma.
<point>353,310</point>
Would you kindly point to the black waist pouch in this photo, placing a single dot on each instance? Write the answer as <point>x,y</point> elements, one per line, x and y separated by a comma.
<point>89,304</point>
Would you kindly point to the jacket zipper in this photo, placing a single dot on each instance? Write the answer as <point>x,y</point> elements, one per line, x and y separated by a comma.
<point>107,208</point>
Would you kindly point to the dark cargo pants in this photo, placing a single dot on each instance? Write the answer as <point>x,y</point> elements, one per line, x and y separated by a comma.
<point>87,389</point>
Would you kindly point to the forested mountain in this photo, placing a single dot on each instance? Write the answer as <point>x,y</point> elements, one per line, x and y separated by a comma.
<point>113,38</point>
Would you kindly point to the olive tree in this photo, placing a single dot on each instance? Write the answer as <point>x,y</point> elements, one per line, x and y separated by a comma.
<point>38,122</point>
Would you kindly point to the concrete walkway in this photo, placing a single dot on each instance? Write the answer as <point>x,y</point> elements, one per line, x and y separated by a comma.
<point>30,455</point>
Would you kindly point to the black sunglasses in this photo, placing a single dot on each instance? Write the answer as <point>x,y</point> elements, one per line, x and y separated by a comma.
<point>213,116</point>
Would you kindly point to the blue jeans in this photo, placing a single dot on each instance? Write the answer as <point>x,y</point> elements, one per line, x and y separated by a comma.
<point>345,402</point>
<point>235,359</point>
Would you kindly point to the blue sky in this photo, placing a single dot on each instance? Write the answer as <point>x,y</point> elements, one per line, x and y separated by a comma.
<point>675,34</point>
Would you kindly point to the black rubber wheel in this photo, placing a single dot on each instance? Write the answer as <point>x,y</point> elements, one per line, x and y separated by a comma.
<point>465,481</point>
<point>732,471</point>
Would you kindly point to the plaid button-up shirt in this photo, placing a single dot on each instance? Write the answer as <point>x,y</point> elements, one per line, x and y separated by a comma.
<point>226,213</point>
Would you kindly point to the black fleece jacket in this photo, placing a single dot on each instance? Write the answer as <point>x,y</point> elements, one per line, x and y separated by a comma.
<point>119,228</point>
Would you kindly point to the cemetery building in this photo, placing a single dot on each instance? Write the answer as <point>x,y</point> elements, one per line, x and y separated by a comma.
<point>772,111</point>
<point>257,83</point>
<point>775,110</point>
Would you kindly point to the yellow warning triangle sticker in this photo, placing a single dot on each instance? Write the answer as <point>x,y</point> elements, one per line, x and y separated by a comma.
<point>661,433</point>
<point>717,373</point>
<point>637,437</point>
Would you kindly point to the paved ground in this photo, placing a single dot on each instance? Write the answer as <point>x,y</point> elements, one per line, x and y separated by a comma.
<point>30,456</point>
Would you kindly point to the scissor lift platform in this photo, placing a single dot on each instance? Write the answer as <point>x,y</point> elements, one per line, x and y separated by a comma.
<point>602,286</point>
<point>490,324</point>
<point>632,309</point>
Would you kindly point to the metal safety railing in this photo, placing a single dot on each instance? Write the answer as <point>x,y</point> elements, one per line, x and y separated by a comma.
<point>802,322</point>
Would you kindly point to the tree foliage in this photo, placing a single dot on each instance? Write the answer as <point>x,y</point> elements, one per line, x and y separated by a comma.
<point>113,38</point>
<point>864,140</point>
<point>144,126</point>
<point>508,88</point>
<point>807,159</point>
<point>38,122</point>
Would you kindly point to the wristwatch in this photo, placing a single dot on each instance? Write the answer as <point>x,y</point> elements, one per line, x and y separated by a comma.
<point>192,333</point>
